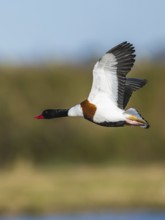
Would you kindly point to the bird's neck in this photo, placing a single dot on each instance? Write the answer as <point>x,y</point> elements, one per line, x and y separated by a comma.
<point>58,113</point>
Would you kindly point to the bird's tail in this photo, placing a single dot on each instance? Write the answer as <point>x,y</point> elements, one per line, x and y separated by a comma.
<point>134,118</point>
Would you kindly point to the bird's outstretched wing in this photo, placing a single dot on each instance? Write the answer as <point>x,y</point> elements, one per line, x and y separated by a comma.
<point>109,74</point>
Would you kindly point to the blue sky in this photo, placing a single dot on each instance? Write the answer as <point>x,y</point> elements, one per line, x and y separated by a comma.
<point>70,28</point>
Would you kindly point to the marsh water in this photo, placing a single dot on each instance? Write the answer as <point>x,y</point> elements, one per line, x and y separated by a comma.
<point>141,215</point>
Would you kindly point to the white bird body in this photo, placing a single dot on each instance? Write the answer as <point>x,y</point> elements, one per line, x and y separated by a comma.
<point>108,113</point>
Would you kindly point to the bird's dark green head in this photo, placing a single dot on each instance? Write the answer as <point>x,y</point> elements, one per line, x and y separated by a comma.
<point>52,113</point>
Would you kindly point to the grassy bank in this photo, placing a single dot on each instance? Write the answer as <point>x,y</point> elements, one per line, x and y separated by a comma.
<point>26,189</point>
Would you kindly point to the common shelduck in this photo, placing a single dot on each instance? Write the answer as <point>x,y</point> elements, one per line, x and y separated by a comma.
<point>110,92</point>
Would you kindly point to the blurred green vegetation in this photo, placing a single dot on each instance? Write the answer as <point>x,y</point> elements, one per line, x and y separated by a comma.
<point>26,91</point>
<point>26,189</point>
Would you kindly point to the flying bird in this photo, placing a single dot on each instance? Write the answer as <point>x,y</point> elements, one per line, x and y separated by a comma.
<point>110,92</point>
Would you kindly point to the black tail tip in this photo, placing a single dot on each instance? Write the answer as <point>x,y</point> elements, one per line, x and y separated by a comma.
<point>147,125</point>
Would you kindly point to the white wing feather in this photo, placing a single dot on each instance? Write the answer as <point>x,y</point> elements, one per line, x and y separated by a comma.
<point>105,81</point>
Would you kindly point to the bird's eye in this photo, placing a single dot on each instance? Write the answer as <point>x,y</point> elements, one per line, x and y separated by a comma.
<point>45,112</point>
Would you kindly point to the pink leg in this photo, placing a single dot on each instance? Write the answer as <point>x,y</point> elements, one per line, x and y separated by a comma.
<point>135,123</point>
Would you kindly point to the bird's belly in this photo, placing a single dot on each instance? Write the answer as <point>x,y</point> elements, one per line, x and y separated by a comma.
<point>108,114</point>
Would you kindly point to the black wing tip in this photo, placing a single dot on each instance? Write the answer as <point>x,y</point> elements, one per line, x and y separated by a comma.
<point>145,81</point>
<point>125,57</point>
<point>142,82</point>
<point>124,45</point>
<point>138,82</point>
